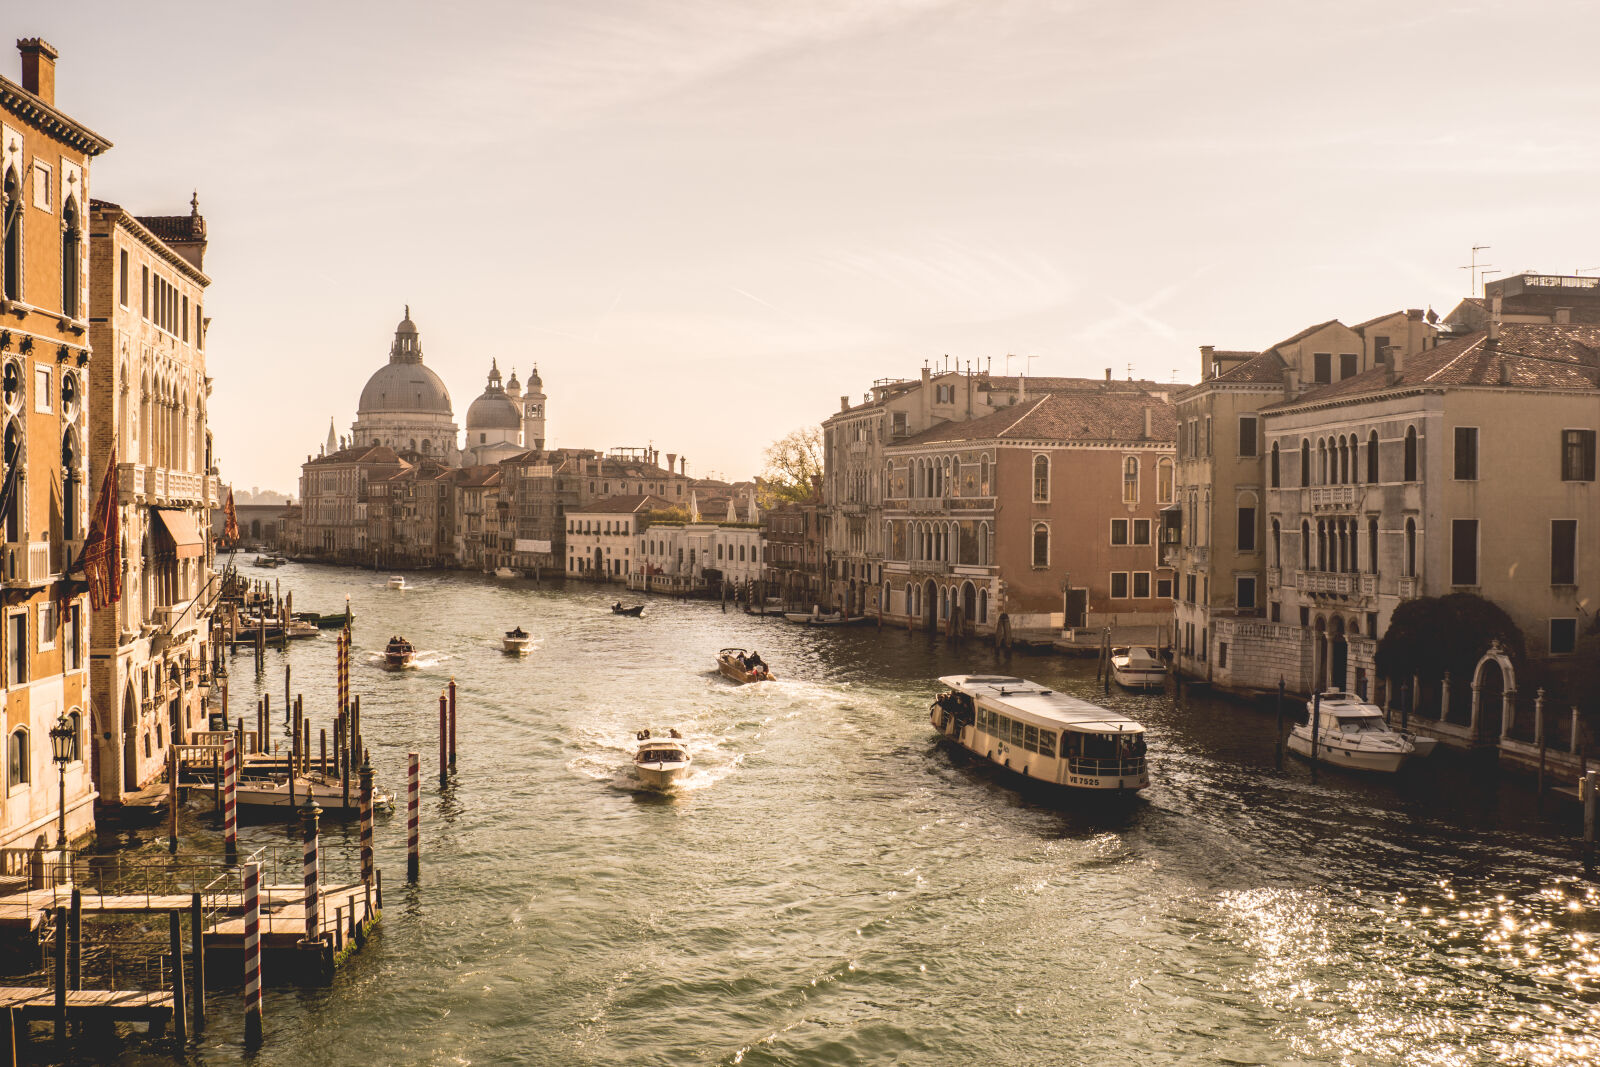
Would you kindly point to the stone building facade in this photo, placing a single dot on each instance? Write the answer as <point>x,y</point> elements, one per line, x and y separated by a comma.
<point>405,405</point>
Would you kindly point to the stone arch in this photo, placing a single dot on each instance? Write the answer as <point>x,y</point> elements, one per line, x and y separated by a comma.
<point>930,605</point>
<point>1504,676</point>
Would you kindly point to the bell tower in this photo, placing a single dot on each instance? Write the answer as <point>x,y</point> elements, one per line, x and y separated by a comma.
<point>533,411</point>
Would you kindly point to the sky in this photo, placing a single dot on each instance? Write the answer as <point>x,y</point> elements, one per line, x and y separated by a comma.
<point>707,221</point>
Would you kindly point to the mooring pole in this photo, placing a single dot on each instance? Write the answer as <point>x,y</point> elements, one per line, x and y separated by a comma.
<point>1589,788</point>
<point>323,733</point>
<point>413,802</point>
<point>197,952</point>
<point>61,973</point>
<point>75,941</point>
<point>1279,746</point>
<point>1316,726</point>
<point>172,800</point>
<point>180,1015</point>
<point>288,697</point>
<point>452,691</point>
<point>313,891</point>
<point>252,955</point>
<point>366,823</point>
<point>230,801</point>
<point>444,740</point>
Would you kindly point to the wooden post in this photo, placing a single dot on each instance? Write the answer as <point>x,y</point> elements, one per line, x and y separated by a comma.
<point>230,801</point>
<point>324,749</point>
<point>216,784</point>
<point>75,941</point>
<point>252,955</point>
<point>452,722</point>
<point>444,740</point>
<point>172,798</point>
<point>366,823</point>
<point>1589,788</point>
<point>356,753</point>
<point>1279,745</point>
<point>1316,726</point>
<point>413,800</point>
<point>61,973</point>
<point>197,953</point>
<point>180,1014</point>
<point>344,760</point>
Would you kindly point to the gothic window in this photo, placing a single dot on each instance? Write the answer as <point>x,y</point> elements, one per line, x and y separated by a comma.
<point>12,208</point>
<point>1130,480</point>
<point>1164,481</point>
<point>1411,454</point>
<point>1305,462</point>
<point>1041,479</point>
<point>1041,545</point>
<point>17,772</point>
<point>1372,457</point>
<point>71,253</point>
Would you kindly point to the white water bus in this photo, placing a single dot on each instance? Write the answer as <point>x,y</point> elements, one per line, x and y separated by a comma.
<point>1042,734</point>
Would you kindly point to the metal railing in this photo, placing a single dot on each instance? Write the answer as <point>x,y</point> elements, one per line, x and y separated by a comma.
<point>1103,768</point>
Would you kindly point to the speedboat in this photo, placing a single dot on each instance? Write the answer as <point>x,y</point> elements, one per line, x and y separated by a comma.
<point>504,572</point>
<point>516,641</point>
<point>633,612</point>
<point>1350,734</point>
<point>660,761</point>
<point>273,791</point>
<point>1422,746</point>
<point>398,654</point>
<point>815,618</point>
<point>741,666</point>
<point>398,581</point>
<point>1138,667</point>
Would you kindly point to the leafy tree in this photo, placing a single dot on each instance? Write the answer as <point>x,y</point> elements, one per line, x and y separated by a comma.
<point>1431,635</point>
<point>792,461</point>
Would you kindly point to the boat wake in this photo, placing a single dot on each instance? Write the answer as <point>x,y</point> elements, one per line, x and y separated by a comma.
<point>421,660</point>
<point>607,758</point>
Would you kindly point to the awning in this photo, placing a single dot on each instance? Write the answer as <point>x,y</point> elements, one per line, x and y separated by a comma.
<point>180,528</point>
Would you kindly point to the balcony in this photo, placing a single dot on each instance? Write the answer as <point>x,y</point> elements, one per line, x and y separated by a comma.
<point>1330,583</point>
<point>930,566</point>
<point>1334,497</point>
<point>928,506</point>
<point>138,483</point>
<point>1408,588</point>
<point>26,565</point>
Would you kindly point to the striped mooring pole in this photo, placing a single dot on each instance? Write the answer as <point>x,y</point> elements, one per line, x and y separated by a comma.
<point>452,691</point>
<point>413,829</point>
<point>367,865</point>
<point>444,740</point>
<point>252,954</point>
<point>313,898</point>
<point>230,800</point>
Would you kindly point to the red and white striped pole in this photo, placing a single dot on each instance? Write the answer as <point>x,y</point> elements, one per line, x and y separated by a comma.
<point>367,865</point>
<point>452,722</point>
<point>230,800</point>
<point>313,898</point>
<point>444,741</point>
<point>252,954</point>
<point>413,802</point>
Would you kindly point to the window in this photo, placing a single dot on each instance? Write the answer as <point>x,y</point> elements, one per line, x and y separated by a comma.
<point>1305,544</point>
<point>1273,466</point>
<point>1563,636</point>
<point>200,339</point>
<point>1222,653</point>
<point>1041,545</point>
<point>13,235</point>
<point>1164,486</point>
<point>1277,545</point>
<point>1041,479</point>
<point>1208,435</point>
<point>71,255</point>
<point>17,772</point>
<point>1247,435</point>
<point>1463,551</point>
<point>1119,531</point>
<point>945,394</point>
<point>897,424</point>
<point>1130,480</point>
<point>1347,365</point>
<point>1141,531</point>
<point>1119,585</point>
<point>72,638</point>
<point>1372,550</point>
<point>1411,454</point>
<point>17,648</point>
<point>1467,453</point>
<point>41,389</point>
<point>1164,588</point>
<point>1563,552</point>
<point>1322,368</point>
<point>1577,455</point>
<point>1245,593</point>
<point>42,187</point>
<point>1274,612</point>
<point>1305,462</point>
<point>1141,585</point>
<point>1379,343</point>
<point>1372,458</point>
<point>122,278</point>
<point>1247,529</point>
<point>1411,548</point>
<point>144,292</point>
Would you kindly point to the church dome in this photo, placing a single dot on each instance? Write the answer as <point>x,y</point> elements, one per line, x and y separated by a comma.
<point>535,383</point>
<point>493,410</point>
<point>404,384</point>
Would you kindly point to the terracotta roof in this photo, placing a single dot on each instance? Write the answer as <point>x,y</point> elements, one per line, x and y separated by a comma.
<point>173,228</point>
<point>622,505</point>
<point>1267,367</point>
<point>1065,417</point>
<point>1303,334</point>
<point>478,475</point>
<point>361,454</point>
<point>1529,356</point>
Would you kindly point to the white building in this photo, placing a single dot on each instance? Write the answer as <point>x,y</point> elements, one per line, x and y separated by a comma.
<point>601,537</point>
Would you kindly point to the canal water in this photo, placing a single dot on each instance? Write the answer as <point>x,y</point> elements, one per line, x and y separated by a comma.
<point>834,886</point>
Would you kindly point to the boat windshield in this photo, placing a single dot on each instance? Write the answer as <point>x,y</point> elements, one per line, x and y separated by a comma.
<point>1362,724</point>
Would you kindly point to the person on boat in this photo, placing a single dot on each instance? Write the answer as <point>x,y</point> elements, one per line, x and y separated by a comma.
<point>617,606</point>
<point>755,663</point>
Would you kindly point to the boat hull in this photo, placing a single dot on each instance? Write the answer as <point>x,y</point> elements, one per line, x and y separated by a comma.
<point>732,671</point>
<point>660,775</point>
<point>516,646</point>
<point>1344,757</point>
<point>1137,678</point>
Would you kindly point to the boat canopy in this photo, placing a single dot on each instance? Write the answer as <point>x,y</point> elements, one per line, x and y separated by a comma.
<point>1346,705</point>
<point>1032,702</point>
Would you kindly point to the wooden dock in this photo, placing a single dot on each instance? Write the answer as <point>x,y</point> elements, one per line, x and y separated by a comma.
<point>34,1003</point>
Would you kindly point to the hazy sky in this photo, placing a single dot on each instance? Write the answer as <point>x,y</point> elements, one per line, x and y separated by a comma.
<point>706,221</point>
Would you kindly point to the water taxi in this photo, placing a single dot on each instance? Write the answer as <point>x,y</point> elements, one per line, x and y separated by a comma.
<point>1351,735</point>
<point>398,654</point>
<point>1137,667</point>
<point>740,666</point>
<point>660,761</point>
<point>1042,734</point>
<point>398,581</point>
<point>516,641</point>
<point>633,612</point>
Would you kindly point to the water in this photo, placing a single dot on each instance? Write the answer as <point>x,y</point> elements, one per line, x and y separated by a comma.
<point>835,887</point>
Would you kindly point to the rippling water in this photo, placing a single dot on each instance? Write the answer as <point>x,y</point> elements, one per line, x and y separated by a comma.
<point>834,887</point>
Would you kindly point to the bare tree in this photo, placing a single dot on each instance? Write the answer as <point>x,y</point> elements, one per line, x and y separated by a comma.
<point>792,461</point>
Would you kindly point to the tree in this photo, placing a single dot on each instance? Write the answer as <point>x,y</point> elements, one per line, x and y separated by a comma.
<point>793,460</point>
<point>1430,635</point>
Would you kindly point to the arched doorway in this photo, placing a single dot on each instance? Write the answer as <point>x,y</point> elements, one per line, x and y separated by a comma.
<point>1339,652</point>
<point>599,562</point>
<point>930,605</point>
<point>1319,658</point>
<point>130,741</point>
<point>1494,686</point>
<point>969,607</point>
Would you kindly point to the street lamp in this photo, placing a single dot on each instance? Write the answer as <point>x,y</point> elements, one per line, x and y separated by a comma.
<point>63,749</point>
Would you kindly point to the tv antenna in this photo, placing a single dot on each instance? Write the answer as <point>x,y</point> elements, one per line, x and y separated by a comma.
<point>1475,267</point>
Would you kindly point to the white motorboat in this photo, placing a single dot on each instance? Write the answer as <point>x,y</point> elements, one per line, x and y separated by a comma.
<point>1422,747</point>
<point>815,618</point>
<point>1042,734</point>
<point>328,792</point>
<point>661,761</point>
<point>398,581</point>
<point>516,641</point>
<point>1351,735</point>
<point>504,572</point>
<point>1138,667</point>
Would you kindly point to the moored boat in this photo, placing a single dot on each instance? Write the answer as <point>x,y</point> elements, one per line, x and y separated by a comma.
<point>1138,667</point>
<point>1349,734</point>
<point>660,761</point>
<point>740,666</point>
<point>516,641</point>
<point>504,572</point>
<point>1042,734</point>
<point>328,791</point>
<point>398,654</point>
<point>815,618</point>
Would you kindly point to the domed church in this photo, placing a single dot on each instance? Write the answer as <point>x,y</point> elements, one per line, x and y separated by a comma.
<point>405,405</point>
<point>494,421</point>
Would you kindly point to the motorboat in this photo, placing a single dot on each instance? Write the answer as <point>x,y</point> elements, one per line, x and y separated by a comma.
<point>633,612</point>
<point>504,572</point>
<point>398,654</point>
<point>1138,667</point>
<point>516,641</point>
<point>1349,734</point>
<point>273,791</point>
<point>301,629</point>
<point>1422,746</point>
<point>398,581</point>
<point>741,666</point>
<point>815,618</point>
<point>1041,734</point>
<point>660,761</point>
<point>325,622</point>
<point>270,561</point>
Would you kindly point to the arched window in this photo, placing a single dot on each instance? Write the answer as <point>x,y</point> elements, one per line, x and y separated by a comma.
<point>1277,545</point>
<point>1273,466</point>
<point>1041,479</point>
<point>71,255</point>
<point>1372,458</point>
<point>1164,481</point>
<point>1372,546</point>
<point>1344,460</point>
<point>1041,545</point>
<point>741,553</point>
<point>1130,480</point>
<point>983,475</point>
<point>75,720</point>
<point>1322,461</point>
<point>1411,548</point>
<point>1305,544</point>
<point>12,208</point>
<point>1305,462</point>
<point>983,605</point>
<point>1411,454</point>
<point>17,770</point>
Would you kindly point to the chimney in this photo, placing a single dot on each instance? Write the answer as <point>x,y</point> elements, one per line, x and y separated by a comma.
<point>1414,314</point>
<point>844,405</point>
<point>1494,323</point>
<point>1108,375</point>
<point>671,459</point>
<point>1291,381</point>
<point>39,68</point>
<point>1147,423</point>
<point>1394,358</point>
<point>683,466</point>
<point>1563,315</point>
<point>1208,360</point>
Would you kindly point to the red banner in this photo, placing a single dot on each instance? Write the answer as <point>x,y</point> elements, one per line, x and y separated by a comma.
<point>102,552</point>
